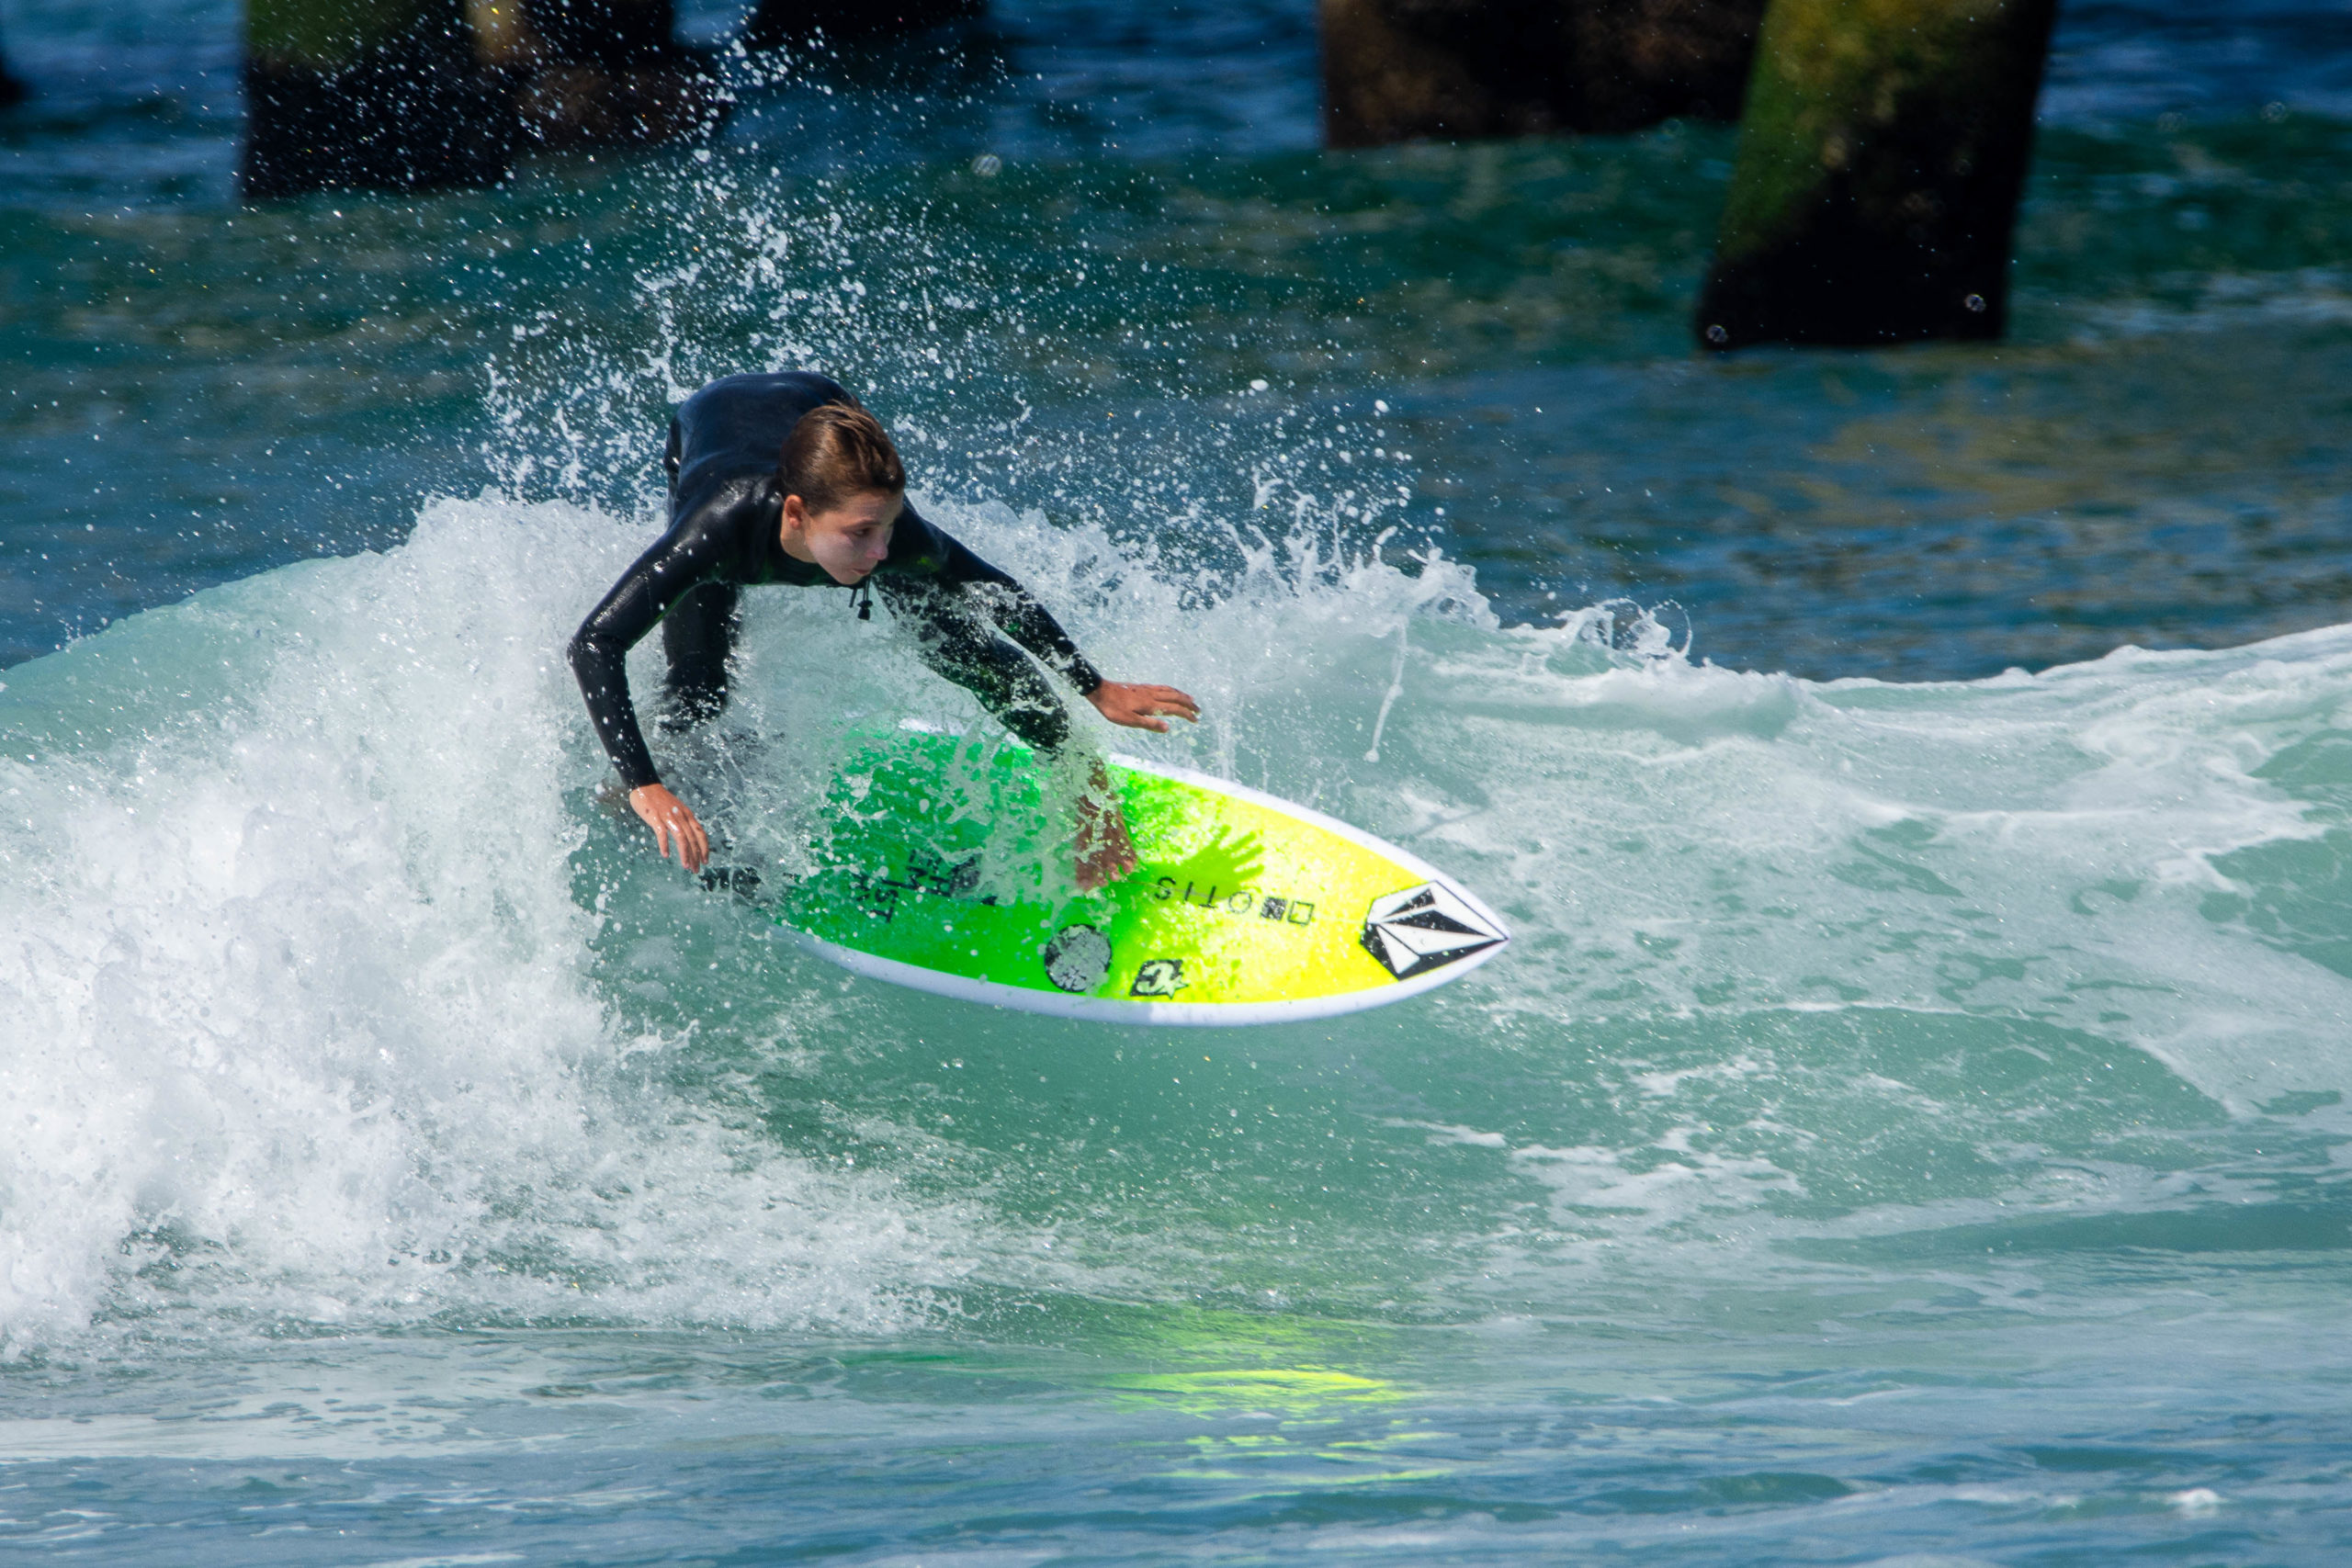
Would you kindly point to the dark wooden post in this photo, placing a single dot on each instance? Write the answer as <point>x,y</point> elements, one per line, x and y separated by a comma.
<point>1394,70</point>
<point>1880,163</point>
<point>384,93</point>
<point>12,91</point>
<point>618,35</point>
<point>1640,62</point>
<point>775,23</point>
<point>401,93</point>
<point>610,72</point>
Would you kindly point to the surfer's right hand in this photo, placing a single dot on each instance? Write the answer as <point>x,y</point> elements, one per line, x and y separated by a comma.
<point>670,818</point>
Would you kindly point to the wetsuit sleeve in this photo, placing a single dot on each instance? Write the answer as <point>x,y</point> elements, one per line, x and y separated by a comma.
<point>1017,614</point>
<point>681,560</point>
<point>951,637</point>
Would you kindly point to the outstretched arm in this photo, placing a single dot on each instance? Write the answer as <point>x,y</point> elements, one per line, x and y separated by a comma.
<point>677,563</point>
<point>952,612</point>
<point>599,652</point>
<point>1016,612</point>
<point>960,645</point>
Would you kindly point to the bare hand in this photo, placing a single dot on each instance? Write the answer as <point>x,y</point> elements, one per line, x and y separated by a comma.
<point>670,818</point>
<point>1104,852</point>
<point>1139,706</point>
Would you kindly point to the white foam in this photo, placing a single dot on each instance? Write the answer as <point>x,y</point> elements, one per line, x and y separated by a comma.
<point>2034,846</point>
<point>317,1009</point>
<point>302,1017</point>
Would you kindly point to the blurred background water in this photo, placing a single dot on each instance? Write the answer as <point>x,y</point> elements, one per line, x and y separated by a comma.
<point>1907,1129</point>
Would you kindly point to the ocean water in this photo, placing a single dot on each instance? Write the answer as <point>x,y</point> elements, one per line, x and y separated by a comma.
<point>1908,1129</point>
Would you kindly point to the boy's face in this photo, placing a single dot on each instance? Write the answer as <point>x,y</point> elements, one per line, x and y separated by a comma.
<point>849,539</point>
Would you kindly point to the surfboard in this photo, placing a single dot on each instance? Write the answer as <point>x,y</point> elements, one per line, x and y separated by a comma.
<point>942,870</point>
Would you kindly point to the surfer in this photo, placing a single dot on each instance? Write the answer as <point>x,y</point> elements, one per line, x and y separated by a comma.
<point>785,479</point>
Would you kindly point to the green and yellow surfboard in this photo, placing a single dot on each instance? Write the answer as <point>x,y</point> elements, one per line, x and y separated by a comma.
<point>937,872</point>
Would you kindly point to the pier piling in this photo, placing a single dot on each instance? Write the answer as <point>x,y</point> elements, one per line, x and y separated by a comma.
<point>372,93</point>
<point>611,73</point>
<point>1397,70</point>
<point>407,94</point>
<point>1881,158</point>
<point>618,35</point>
<point>776,23</point>
<point>12,88</point>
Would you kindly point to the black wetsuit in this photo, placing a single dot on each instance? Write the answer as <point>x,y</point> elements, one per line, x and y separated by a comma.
<point>725,518</point>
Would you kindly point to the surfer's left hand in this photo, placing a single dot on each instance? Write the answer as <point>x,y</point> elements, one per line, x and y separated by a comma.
<point>1139,707</point>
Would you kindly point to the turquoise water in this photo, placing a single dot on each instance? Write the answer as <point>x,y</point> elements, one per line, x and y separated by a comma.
<point>1909,1128</point>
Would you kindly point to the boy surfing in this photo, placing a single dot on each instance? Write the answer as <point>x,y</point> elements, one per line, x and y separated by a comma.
<point>785,479</point>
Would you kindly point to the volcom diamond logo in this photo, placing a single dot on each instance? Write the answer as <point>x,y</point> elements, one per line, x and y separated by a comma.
<point>1425,928</point>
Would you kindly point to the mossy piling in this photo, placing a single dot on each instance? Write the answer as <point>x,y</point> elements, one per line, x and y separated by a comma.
<point>1881,154</point>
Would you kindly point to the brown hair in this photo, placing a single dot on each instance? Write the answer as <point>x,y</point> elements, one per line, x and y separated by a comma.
<point>838,450</point>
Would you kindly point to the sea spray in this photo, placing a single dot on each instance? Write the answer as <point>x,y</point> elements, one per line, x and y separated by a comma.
<point>345,1000</point>
<point>303,1021</point>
